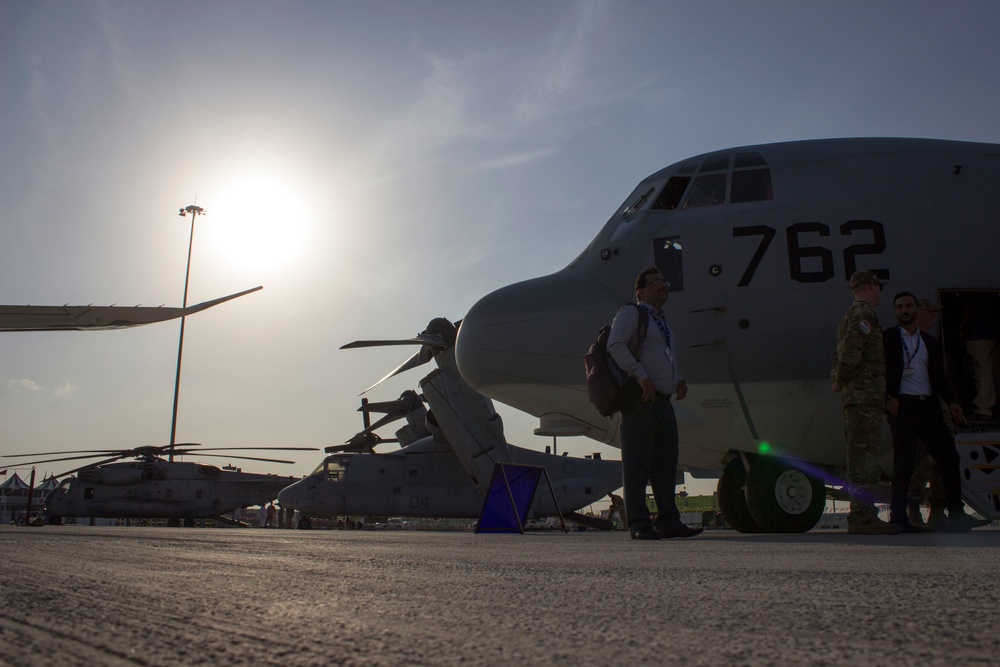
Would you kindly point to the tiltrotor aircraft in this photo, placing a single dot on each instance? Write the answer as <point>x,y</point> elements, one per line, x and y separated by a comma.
<point>447,455</point>
<point>150,487</point>
<point>758,244</point>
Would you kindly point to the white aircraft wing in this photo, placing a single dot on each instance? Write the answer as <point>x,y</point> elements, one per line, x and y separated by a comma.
<point>96,318</point>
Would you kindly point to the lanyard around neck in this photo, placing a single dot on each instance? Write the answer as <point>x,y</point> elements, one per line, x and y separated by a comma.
<point>661,323</point>
<point>906,351</point>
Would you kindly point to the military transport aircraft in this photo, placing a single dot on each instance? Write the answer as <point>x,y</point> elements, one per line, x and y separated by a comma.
<point>758,244</point>
<point>152,488</point>
<point>447,457</point>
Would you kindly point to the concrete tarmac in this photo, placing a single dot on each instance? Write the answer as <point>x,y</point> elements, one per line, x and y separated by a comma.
<point>78,595</point>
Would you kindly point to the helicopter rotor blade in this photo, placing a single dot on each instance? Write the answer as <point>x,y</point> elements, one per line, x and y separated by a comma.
<point>89,465</point>
<point>246,458</point>
<point>96,452</point>
<point>281,449</point>
<point>118,455</point>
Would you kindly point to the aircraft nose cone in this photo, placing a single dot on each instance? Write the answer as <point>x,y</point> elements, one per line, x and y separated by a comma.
<point>521,342</point>
<point>291,496</point>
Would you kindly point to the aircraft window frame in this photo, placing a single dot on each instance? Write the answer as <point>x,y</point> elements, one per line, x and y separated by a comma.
<point>708,190</point>
<point>689,167</point>
<point>715,163</point>
<point>746,160</point>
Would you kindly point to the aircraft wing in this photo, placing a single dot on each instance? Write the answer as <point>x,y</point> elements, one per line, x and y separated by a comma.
<point>97,318</point>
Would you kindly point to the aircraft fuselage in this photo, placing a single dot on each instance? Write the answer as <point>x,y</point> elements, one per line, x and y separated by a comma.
<point>758,243</point>
<point>160,490</point>
<point>427,480</point>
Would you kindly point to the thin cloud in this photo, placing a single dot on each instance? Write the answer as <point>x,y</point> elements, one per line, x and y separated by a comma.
<point>560,70</point>
<point>26,386</point>
<point>510,160</point>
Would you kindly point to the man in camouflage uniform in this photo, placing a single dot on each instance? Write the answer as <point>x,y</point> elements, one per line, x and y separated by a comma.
<point>859,377</point>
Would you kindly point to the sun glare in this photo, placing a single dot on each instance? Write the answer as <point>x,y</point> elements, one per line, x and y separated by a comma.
<point>257,222</point>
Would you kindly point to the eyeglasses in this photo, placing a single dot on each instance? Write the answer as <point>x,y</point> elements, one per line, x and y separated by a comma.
<point>657,281</point>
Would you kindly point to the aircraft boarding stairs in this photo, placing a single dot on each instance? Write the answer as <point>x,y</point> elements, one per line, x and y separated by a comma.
<point>979,466</point>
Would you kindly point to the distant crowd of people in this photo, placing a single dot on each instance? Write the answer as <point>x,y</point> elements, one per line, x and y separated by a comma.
<point>272,516</point>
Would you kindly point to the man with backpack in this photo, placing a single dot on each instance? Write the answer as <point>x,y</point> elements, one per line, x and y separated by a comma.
<point>648,424</point>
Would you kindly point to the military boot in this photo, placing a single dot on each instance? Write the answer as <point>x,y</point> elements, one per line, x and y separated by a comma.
<point>873,527</point>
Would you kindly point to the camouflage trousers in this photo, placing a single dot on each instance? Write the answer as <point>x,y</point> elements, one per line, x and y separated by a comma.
<point>864,436</point>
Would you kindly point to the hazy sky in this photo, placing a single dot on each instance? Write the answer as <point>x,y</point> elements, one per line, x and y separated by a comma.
<point>377,164</point>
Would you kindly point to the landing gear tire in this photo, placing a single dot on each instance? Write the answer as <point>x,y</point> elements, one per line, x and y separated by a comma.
<point>781,497</point>
<point>304,524</point>
<point>732,499</point>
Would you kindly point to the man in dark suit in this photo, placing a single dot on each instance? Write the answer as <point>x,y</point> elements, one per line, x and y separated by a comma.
<point>915,379</point>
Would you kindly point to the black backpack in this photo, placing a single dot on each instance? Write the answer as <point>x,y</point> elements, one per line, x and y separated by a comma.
<point>608,387</point>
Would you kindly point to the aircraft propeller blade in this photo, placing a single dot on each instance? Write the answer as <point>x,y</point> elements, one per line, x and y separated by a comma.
<point>439,335</point>
<point>382,422</point>
<point>399,404</point>
<point>433,340</point>
<point>422,356</point>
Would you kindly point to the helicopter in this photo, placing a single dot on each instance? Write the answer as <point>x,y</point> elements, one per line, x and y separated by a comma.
<point>447,454</point>
<point>154,488</point>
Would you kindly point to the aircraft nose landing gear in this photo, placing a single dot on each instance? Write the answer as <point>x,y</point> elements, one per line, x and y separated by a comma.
<point>777,496</point>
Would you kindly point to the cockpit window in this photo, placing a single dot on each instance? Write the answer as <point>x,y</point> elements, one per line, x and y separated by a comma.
<point>638,203</point>
<point>748,160</point>
<point>707,191</point>
<point>689,167</point>
<point>748,180</point>
<point>717,163</point>
<point>751,185</point>
<point>333,468</point>
<point>671,195</point>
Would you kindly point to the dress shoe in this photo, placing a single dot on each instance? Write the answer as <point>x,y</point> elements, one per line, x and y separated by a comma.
<point>907,527</point>
<point>644,532</point>
<point>960,522</point>
<point>873,527</point>
<point>677,530</point>
<point>937,522</point>
<point>913,516</point>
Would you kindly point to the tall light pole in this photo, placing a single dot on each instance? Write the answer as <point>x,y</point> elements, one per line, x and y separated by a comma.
<point>194,211</point>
